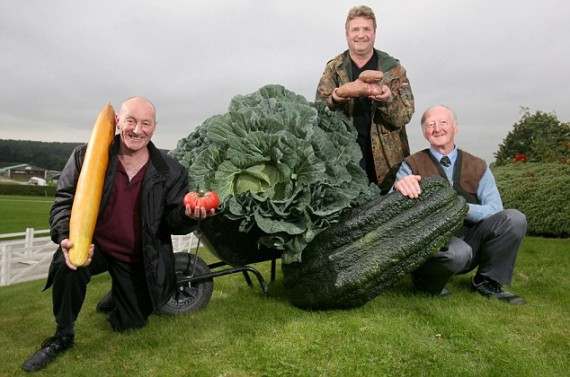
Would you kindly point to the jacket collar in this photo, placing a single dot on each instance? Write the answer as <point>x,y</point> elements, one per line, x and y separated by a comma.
<point>385,61</point>
<point>157,158</point>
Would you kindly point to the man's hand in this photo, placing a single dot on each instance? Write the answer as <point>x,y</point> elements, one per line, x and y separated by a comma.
<point>66,245</point>
<point>199,213</point>
<point>377,90</point>
<point>409,186</point>
<point>381,93</point>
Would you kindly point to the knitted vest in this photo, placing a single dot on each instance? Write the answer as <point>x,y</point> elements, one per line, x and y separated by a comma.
<point>467,172</point>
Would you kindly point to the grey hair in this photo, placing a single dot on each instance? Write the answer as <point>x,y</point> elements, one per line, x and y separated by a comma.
<point>454,119</point>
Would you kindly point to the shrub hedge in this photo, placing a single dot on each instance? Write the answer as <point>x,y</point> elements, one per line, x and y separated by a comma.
<point>541,191</point>
<point>28,190</point>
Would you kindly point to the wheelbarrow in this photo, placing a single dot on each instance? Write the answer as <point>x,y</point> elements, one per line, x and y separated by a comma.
<point>195,278</point>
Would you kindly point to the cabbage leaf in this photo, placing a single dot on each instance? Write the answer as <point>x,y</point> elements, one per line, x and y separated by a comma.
<point>278,162</point>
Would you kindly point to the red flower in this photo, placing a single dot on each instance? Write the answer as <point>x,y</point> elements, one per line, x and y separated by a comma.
<point>520,158</point>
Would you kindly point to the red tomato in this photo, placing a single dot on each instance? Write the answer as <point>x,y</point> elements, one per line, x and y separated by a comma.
<point>208,200</point>
<point>191,199</point>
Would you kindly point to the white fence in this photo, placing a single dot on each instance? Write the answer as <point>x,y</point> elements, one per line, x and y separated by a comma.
<point>29,258</point>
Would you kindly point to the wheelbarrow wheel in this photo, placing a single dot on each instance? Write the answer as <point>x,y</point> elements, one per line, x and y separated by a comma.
<point>189,296</point>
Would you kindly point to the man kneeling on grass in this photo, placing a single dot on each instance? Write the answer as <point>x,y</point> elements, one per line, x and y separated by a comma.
<point>491,237</point>
<point>141,208</point>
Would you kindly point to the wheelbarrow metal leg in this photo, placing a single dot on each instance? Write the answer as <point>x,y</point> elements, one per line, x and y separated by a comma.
<point>273,264</point>
<point>247,278</point>
<point>213,274</point>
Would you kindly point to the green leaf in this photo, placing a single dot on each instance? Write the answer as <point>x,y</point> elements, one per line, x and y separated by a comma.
<point>279,163</point>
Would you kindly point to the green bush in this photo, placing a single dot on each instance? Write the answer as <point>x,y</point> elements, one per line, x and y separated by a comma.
<point>539,137</point>
<point>27,190</point>
<point>541,191</point>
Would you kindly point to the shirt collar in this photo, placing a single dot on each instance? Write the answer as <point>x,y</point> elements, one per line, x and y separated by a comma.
<point>452,155</point>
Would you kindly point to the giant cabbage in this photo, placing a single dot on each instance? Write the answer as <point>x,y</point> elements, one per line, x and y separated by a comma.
<point>278,162</point>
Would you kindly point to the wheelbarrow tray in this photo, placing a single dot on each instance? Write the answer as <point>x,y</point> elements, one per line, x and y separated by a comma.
<point>224,240</point>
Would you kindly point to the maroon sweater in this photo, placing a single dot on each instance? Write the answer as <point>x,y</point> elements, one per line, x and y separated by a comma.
<point>118,230</point>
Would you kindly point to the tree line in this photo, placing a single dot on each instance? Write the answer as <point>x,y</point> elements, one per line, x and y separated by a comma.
<point>538,137</point>
<point>47,155</point>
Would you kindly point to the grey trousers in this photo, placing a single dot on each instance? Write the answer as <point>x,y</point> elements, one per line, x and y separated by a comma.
<point>491,245</point>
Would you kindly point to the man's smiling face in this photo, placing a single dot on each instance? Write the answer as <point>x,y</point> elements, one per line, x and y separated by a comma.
<point>439,128</point>
<point>360,36</point>
<point>136,123</point>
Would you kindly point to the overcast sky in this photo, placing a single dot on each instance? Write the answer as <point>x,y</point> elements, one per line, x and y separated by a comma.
<point>62,61</point>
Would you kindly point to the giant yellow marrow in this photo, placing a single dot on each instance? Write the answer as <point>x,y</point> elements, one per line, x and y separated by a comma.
<point>90,186</point>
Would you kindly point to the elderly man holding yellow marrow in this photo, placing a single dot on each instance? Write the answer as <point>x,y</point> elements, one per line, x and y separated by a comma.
<point>141,207</point>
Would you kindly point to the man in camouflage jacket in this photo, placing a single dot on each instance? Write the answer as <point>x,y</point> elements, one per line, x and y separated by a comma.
<point>379,108</point>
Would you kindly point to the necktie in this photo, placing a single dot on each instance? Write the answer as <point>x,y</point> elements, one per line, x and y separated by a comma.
<point>445,161</point>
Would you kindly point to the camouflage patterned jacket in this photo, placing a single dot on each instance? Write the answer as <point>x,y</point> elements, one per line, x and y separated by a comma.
<point>387,131</point>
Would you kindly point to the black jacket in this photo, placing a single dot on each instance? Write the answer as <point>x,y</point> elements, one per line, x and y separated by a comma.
<point>162,213</point>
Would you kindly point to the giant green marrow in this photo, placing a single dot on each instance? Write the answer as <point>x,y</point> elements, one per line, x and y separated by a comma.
<point>373,247</point>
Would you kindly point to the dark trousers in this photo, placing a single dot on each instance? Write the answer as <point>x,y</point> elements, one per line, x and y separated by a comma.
<point>129,291</point>
<point>491,245</point>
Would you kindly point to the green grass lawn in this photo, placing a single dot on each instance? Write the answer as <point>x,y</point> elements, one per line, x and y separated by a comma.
<point>20,212</point>
<point>242,333</point>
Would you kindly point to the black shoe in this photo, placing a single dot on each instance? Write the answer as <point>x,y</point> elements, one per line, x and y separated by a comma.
<point>491,289</point>
<point>48,352</point>
<point>106,304</point>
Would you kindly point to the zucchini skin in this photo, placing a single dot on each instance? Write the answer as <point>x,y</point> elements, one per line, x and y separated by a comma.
<point>89,189</point>
<point>374,246</point>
